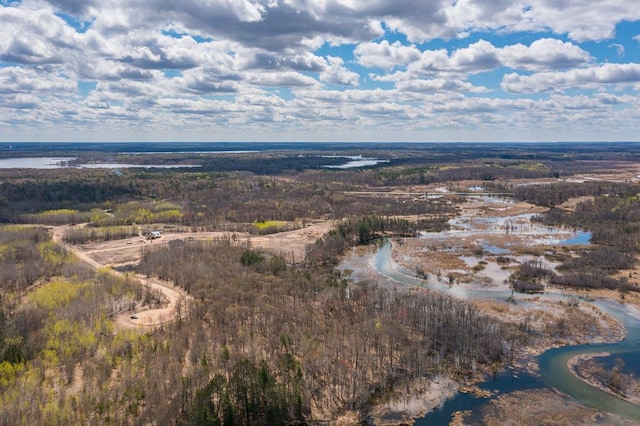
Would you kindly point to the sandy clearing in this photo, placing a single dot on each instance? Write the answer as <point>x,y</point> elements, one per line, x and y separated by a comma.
<point>291,245</point>
<point>175,299</point>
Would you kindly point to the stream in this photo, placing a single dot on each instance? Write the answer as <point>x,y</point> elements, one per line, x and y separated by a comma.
<point>554,372</point>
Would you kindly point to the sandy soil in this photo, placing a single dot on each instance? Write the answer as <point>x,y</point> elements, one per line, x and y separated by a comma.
<point>175,300</point>
<point>291,245</point>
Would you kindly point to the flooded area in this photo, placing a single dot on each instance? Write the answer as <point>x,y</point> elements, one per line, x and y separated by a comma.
<point>474,259</point>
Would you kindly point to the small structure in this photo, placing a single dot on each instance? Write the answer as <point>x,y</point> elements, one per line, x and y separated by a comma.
<point>152,235</point>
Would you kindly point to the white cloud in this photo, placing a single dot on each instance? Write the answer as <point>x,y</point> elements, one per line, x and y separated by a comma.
<point>583,20</point>
<point>618,47</point>
<point>385,55</point>
<point>336,73</point>
<point>280,79</point>
<point>33,36</point>
<point>19,80</point>
<point>438,85</point>
<point>266,63</point>
<point>543,54</point>
<point>624,74</point>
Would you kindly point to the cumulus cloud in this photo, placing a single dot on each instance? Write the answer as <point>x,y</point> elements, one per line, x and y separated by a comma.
<point>543,54</point>
<point>336,73</point>
<point>18,80</point>
<point>281,79</point>
<point>361,63</point>
<point>385,55</point>
<point>582,20</point>
<point>438,85</point>
<point>33,36</point>
<point>558,81</point>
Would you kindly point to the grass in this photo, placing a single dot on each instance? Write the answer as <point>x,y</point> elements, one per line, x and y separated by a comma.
<point>266,224</point>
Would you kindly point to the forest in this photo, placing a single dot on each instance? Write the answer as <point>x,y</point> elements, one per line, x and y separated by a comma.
<point>266,341</point>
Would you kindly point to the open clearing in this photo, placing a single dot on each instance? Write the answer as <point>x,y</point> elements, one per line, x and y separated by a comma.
<point>291,245</point>
<point>174,299</point>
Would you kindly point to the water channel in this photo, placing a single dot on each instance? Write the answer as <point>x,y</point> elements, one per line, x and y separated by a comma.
<point>554,372</point>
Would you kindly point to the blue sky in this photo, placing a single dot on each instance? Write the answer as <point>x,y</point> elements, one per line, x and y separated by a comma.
<point>319,70</point>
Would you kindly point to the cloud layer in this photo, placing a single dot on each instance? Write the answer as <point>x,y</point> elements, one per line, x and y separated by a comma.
<point>318,70</point>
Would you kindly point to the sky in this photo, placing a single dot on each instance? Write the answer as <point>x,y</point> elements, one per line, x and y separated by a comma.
<point>319,70</point>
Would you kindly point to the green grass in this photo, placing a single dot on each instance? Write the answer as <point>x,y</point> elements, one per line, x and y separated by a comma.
<point>266,224</point>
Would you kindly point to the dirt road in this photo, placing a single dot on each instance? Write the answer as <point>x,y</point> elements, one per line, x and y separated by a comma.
<point>291,245</point>
<point>175,299</point>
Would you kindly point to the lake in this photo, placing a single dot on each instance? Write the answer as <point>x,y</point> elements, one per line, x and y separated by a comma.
<point>63,162</point>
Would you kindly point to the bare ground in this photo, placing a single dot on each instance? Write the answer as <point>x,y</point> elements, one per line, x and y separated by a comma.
<point>174,300</point>
<point>289,244</point>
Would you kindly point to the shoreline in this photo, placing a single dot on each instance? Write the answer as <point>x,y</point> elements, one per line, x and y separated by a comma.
<point>590,378</point>
<point>610,330</point>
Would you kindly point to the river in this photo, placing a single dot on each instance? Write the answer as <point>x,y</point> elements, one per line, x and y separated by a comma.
<point>554,372</point>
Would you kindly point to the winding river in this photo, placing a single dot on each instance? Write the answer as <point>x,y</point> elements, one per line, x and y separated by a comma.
<point>553,363</point>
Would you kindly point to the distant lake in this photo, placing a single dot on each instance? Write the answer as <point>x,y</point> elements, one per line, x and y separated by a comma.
<point>351,161</point>
<point>187,152</point>
<point>131,166</point>
<point>63,162</point>
<point>35,162</point>
<point>356,161</point>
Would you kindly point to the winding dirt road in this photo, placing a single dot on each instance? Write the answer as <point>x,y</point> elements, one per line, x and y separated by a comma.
<point>108,254</point>
<point>175,299</point>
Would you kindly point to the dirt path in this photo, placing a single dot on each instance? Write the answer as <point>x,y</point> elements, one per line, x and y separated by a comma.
<point>291,245</point>
<point>174,298</point>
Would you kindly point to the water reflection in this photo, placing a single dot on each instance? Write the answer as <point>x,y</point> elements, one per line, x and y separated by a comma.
<point>356,161</point>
